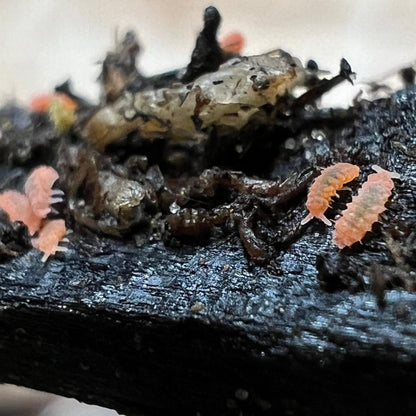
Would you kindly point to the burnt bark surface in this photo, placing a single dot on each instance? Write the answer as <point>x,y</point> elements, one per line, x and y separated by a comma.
<point>153,330</point>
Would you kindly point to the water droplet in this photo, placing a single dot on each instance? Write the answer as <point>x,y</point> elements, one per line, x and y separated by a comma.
<point>174,208</point>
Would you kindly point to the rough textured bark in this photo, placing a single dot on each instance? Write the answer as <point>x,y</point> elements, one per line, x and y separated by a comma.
<point>156,330</point>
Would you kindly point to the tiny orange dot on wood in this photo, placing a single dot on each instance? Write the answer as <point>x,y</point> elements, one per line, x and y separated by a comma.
<point>42,103</point>
<point>233,42</point>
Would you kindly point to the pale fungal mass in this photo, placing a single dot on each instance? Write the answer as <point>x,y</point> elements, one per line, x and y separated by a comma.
<point>226,99</point>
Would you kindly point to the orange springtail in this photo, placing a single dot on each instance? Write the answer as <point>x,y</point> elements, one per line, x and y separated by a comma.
<point>17,206</point>
<point>363,211</point>
<point>50,236</point>
<point>325,186</point>
<point>38,188</point>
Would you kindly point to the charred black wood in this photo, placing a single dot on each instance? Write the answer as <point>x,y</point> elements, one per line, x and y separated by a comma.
<point>119,69</point>
<point>66,88</point>
<point>408,75</point>
<point>26,139</point>
<point>325,85</point>
<point>198,328</point>
<point>14,238</point>
<point>207,55</point>
<point>150,330</point>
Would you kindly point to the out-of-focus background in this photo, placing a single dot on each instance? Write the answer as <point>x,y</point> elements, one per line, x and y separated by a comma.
<point>45,42</point>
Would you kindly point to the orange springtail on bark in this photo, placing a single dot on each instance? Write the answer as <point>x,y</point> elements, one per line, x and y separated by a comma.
<point>38,188</point>
<point>363,211</point>
<point>50,236</point>
<point>17,206</point>
<point>325,186</point>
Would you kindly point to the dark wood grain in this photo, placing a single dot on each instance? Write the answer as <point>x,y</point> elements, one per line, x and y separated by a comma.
<point>154,330</point>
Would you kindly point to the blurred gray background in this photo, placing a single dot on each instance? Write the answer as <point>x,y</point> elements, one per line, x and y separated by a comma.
<point>45,42</point>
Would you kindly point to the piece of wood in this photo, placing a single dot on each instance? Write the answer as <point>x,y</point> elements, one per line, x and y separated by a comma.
<point>154,330</point>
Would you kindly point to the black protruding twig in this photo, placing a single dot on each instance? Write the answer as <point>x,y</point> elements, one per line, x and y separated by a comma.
<point>325,85</point>
<point>207,55</point>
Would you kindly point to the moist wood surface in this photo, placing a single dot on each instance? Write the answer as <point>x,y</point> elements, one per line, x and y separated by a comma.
<point>153,330</point>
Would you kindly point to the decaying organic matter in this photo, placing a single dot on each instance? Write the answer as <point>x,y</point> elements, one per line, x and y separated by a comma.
<point>14,238</point>
<point>231,152</point>
<point>188,269</point>
<point>218,91</point>
<point>226,99</point>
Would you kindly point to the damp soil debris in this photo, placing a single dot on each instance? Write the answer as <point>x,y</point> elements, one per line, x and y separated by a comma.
<point>226,147</point>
